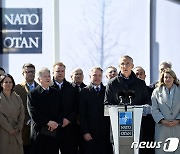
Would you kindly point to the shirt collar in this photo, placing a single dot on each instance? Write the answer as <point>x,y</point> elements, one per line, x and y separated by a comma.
<point>32,85</point>
<point>97,86</point>
<point>45,88</point>
<point>59,84</point>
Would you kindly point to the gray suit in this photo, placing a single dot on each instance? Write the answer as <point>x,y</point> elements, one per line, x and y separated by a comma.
<point>161,108</point>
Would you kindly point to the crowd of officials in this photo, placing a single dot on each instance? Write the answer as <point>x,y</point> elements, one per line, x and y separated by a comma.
<point>54,115</point>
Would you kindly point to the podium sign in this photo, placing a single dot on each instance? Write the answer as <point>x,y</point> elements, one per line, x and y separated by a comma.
<point>125,124</point>
<point>125,127</point>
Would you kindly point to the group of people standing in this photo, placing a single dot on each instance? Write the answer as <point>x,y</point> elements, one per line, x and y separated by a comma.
<point>53,114</point>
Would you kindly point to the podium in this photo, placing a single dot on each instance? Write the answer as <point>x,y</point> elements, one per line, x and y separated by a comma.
<point>126,124</point>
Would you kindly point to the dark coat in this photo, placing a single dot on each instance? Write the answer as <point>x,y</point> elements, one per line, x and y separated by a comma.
<point>79,88</point>
<point>69,100</point>
<point>133,83</point>
<point>91,107</point>
<point>43,107</point>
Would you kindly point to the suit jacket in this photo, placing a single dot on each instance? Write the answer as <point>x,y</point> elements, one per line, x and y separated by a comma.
<point>69,100</point>
<point>22,90</point>
<point>133,83</point>
<point>91,107</point>
<point>43,107</point>
<point>162,109</point>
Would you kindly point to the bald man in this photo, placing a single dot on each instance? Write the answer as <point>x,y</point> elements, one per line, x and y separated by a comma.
<point>147,124</point>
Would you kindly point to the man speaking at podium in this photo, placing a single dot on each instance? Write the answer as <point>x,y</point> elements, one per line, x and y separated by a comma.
<point>125,81</point>
<point>127,89</point>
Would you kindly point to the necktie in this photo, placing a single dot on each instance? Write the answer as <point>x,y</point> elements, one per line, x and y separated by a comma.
<point>31,87</point>
<point>97,89</point>
<point>46,91</point>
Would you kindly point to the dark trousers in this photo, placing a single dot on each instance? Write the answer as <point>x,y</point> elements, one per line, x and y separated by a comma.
<point>147,133</point>
<point>69,142</point>
<point>95,146</point>
<point>79,139</point>
<point>26,149</point>
<point>45,145</point>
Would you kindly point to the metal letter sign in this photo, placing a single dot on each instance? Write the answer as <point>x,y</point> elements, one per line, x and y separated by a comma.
<point>125,124</point>
<point>21,30</point>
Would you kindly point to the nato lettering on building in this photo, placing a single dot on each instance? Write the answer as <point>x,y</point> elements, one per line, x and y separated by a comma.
<point>21,30</point>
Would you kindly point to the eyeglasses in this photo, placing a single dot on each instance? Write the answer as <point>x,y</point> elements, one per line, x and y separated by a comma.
<point>28,72</point>
<point>6,82</point>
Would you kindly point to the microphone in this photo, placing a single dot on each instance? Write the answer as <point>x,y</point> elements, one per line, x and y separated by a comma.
<point>130,94</point>
<point>120,95</point>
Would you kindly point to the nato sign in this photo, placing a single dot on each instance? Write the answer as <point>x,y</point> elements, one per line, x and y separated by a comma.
<point>125,124</point>
<point>21,30</point>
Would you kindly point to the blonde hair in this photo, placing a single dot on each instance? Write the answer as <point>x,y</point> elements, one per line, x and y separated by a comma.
<point>172,73</point>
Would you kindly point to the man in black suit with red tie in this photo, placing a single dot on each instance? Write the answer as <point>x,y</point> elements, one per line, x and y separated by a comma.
<point>45,109</point>
<point>69,94</point>
<point>93,123</point>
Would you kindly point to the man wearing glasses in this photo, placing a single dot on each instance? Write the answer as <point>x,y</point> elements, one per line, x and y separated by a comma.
<point>28,71</point>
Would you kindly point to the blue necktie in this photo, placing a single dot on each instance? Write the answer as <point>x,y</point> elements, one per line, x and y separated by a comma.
<point>97,89</point>
<point>31,87</point>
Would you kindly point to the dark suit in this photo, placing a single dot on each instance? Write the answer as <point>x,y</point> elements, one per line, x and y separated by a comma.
<point>69,142</point>
<point>22,90</point>
<point>148,128</point>
<point>93,121</point>
<point>77,126</point>
<point>44,107</point>
<point>78,88</point>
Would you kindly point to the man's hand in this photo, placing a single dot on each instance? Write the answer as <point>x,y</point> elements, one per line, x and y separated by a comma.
<point>65,122</point>
<point>87,137</point>
<point>52,125</point>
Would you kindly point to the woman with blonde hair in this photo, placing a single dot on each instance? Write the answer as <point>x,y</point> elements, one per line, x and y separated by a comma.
<point>166,109</point>
<point>11,118</point>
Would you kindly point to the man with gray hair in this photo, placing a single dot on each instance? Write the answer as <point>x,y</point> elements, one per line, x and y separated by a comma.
<point>162,67</point>
<point>126,80</point>
<point>45,109</point>
<point>147,124</point>
<point>111,72</point>
<point>77,77</point>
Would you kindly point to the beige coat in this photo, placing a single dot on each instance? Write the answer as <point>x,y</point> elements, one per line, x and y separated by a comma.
<point>22,90</point>
<point>11,117</point>
<point>162,109</point>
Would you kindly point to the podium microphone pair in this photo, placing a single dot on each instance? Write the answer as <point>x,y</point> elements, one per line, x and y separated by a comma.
<point>127,95</point>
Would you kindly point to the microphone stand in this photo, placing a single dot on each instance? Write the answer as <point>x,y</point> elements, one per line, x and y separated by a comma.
<point>130,100</point>
<point>121,103</point>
